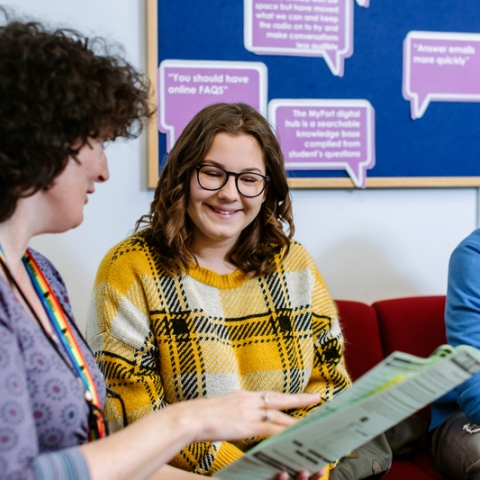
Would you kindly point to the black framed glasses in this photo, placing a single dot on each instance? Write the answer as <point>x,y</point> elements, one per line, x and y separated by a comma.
<point>249,184</point>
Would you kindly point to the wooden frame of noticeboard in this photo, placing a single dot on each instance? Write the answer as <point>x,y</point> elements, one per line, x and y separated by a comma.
<point>393,178</point>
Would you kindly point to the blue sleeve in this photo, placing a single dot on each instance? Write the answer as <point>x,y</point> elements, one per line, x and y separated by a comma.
<point>19,455</point>
<point>68,464</point>
<point>462,314</point>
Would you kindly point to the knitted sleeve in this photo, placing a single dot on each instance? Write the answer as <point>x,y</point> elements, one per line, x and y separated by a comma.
<point>329,375</point>
<point>120,333</point>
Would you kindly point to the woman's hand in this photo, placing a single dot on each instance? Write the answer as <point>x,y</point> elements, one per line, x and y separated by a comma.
<point>240,415</point>
<point>155,439</point>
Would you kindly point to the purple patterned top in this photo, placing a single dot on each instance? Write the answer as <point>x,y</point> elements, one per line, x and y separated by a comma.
<point>42,410</point>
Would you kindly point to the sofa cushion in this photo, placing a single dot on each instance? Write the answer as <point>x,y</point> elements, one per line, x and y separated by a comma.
<point>425,462</point>
<point>413,324</point>
<point>405,470</point>
<point>363,348</point>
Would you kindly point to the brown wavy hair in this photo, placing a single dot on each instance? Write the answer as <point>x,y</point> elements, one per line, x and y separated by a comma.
<point>57,89</point>
<point>169,228</point>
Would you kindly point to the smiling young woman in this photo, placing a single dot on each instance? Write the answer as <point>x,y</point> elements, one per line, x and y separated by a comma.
<point>220,213</point>
<point>212,295</point>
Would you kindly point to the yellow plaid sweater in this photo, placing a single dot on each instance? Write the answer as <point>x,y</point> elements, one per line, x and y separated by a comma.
<point>161,340</point>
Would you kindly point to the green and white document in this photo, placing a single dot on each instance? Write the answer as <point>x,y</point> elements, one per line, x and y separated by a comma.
<point>393,390</point>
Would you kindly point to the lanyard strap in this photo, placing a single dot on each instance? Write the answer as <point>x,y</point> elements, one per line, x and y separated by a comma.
<point>59,321</point>
<point>3,258</point>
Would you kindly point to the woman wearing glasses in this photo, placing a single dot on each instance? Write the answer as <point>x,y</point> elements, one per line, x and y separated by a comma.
<point>212,295</point>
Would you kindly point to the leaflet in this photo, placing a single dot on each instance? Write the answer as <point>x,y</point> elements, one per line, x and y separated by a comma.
<point>393,390</point>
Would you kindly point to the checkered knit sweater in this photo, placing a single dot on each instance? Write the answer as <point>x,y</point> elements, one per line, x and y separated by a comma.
<point>161,340</point>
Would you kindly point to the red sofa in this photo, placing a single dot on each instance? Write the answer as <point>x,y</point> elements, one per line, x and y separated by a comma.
<point>413,325</point>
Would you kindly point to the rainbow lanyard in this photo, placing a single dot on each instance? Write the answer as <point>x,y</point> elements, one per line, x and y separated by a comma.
<point>63,330</point>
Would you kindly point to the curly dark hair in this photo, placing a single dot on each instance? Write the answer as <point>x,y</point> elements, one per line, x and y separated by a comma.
<point>169,228</point>
<point>57,89</point>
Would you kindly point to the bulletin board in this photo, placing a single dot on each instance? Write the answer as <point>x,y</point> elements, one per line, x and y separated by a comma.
<point>408,70</point>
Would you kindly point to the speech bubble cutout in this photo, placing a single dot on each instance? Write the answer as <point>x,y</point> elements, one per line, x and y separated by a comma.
<point>440,67</point>
<point>310,28</point>
<point>363,3</point>
<point>187,86</point>
<point>326,135</point>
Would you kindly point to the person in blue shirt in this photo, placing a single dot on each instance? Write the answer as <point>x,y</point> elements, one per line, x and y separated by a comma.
<point>456,416</point>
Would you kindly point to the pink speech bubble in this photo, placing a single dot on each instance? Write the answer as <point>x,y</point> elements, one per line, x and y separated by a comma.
<point>307,28</point>
<point>187,86</point>
<point>440,67</point>
<point>326,135</point>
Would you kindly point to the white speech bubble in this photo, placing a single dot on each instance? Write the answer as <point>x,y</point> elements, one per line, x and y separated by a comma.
<point>306,28</point>
<point>330,134</point>
<point>187,86</point>
<point>363,3</point>
<point>440,67</point>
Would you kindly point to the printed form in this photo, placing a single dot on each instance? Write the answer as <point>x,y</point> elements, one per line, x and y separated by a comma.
<point>393,390</point>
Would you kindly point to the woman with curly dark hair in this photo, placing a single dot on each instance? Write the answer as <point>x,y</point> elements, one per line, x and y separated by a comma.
<point>61,97</point>
<point>213,295</point>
